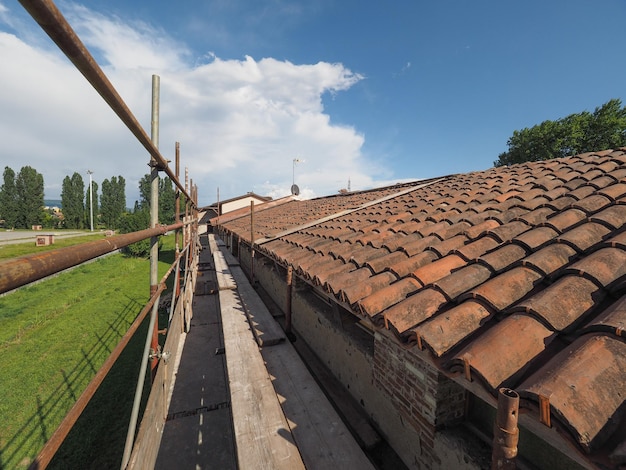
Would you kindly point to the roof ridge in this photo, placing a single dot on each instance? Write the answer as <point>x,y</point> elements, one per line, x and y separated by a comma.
<point>365,205</point>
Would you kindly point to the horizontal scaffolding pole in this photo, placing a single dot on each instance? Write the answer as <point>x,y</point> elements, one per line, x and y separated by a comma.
<point>56,26</point>
<point>18,272</point>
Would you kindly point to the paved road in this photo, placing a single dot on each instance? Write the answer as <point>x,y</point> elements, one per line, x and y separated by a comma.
<point>25,236</point>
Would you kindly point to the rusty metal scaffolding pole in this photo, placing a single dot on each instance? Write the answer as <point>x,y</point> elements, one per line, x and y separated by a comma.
<point>58,29</point>
<point>18,272</point>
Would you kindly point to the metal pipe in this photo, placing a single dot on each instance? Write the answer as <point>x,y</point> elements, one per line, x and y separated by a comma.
<point>154,215</point>
<point>505,431</point>
<point>132,426</point>
<point>58,29</point>
<point>21,271</point>
<point>52,445</point>
<point>288,306</point>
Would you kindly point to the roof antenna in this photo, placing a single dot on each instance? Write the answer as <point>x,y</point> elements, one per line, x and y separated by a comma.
<point>348,184</point>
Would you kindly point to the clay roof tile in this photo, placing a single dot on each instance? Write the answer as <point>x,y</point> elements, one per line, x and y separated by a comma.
<point>550,259</point>
<point>506,289</point>
<point>463,280</point>
<point>584,384</point>
<point>414,310</point>
<point>504,351</point>
<point>584,236</point>
<point>500,259</point>
<point>444,331</point>
<point>564,303</point>
<point>386,295</point>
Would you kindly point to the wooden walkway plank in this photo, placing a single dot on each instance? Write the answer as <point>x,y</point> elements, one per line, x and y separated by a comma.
<point>322,437</point>
<point>224,278</point>
<point>263,436</point>
<point>266,329</point>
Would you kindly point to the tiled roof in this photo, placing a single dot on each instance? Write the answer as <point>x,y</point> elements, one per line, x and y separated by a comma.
<point>514,276</point>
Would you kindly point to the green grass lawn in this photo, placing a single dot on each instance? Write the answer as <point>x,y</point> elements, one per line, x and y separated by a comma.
<point>54,336</point>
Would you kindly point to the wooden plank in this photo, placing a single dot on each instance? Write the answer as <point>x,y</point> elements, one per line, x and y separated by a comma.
<point>224,278</point>
<point>322,437</point>
<point>266,329</point>
<point>263,436</point>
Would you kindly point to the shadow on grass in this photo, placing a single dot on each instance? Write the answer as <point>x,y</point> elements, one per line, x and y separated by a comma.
<point>101,428</point>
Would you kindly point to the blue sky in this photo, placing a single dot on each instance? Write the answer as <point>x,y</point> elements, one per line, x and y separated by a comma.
<point>361,91</point>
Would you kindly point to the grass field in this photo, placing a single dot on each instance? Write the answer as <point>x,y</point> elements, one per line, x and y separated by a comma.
<point>54,336</point>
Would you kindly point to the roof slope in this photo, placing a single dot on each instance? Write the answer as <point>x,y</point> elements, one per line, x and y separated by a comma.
<point>514,276</point>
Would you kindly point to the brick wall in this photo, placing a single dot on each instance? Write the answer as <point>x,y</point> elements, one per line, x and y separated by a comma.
<point>423,397</point>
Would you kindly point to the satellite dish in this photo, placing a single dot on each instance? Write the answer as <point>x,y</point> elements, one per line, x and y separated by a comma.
<point>295,190</point>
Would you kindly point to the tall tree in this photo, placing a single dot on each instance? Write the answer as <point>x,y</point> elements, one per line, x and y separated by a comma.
<point>72,201</point>
<point>29,191</point>
<point>603,129</point>
<point>113,201</point>
<point>167,198</point>
<point>8,198</point>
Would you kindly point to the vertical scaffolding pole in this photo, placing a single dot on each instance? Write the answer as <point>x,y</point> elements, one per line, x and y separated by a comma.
<point>252,242</point>
<point>154,215</point>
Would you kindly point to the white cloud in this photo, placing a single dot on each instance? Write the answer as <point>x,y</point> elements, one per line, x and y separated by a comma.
<point>240,122</point>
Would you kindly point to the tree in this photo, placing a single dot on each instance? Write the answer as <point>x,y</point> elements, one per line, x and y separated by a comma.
<point>29,191</point>
<point>605,128</point>
<point>113,201</point>
<point>167,198</point>
<point>72,201</point>
<point>8,198</point>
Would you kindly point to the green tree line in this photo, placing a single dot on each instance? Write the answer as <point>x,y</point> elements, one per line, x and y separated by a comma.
<point>582,132</point>
<point>22,202</point>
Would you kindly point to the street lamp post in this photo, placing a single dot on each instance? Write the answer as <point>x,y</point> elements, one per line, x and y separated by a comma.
<point>293,175</point>
<point>89,172</point>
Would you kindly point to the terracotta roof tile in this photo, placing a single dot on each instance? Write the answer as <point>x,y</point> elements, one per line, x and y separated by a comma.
<point>463,280</point>
<point>322,277</point>
<point>614,217</point>
<point>612,320</point>
<point>551,259</point>
<point>506,350</point>
<point>381,263</point>
<point>481,228</point>
<point>506,289</point>
<point>389,295</point>
<point>584,384</point>
<point>399,240</point>
<point>438,269</point>
<point>592,203</point>
<point>503,257</point>
<point>477,248</point>
<point>415,309</point>
<point>417,245</point>
<point>565,302</point>
<point>536,216</point>
<point>604,266</point>
<point>357,291</point>
<point>444,331</point>
<point>507,231</point>
<point>404,268</point>
<point>346,285</point>
<point>584,236</point>
<point>565,220</point>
